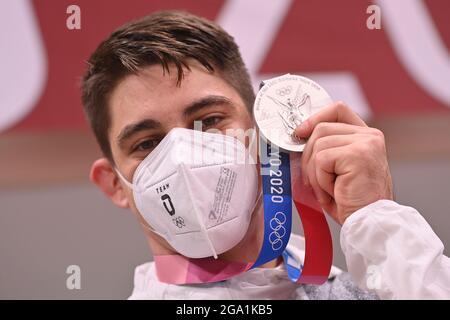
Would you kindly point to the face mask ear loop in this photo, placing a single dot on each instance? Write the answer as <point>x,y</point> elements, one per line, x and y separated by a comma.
<point>199,217</point>
<point>124,180</point>
<point>152,230</point>
<point>256,202</point>
<point>131,186</point>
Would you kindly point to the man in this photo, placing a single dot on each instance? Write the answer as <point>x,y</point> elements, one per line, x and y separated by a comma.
<point>171,69</point>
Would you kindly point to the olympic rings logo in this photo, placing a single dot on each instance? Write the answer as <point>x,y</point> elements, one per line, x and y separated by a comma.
<point>278,230</point>
<point>179,222</point>
<point>284,91</point>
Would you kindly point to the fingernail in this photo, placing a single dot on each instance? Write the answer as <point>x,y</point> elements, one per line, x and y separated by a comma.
<point>302,129</point>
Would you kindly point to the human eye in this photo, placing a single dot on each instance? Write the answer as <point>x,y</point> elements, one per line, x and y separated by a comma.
<point>211,121</point>
<point>145,146</point>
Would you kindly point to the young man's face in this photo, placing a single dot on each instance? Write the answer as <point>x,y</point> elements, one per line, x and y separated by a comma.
<point>145,107</point>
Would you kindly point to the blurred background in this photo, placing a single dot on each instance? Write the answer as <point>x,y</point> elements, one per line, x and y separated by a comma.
<point>397,77</point>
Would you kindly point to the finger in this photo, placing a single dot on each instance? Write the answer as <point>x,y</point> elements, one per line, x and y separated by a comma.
<point>332,141</point>
<point>325,175</point>
<point>336,112</point>
<point>321,195</point>
<point>333,129</point>
<point>328,129</point>
<point>322,145</point>
<point>327,171</point>
<point>322,181</point>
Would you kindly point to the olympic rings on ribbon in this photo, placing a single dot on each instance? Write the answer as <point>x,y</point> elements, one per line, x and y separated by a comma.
<point>276,224</point>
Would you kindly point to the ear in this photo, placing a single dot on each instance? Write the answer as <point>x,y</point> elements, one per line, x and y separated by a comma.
<point>104,176</point>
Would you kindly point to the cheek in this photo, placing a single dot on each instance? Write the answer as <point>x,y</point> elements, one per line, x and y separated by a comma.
<point>241,120</point>
<point>130,198</point>
<point>245,130</point>
<point>246,120</point>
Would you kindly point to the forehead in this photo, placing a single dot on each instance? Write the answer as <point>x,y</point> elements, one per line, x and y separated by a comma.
<point>154,93</point>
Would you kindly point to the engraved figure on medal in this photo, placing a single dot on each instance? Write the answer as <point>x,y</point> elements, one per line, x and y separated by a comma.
<point>294,111</point>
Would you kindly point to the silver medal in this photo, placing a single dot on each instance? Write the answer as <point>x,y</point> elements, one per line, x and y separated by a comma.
<point>282,104</point>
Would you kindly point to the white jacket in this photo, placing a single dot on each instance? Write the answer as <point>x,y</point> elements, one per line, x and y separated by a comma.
<point>390,251</point>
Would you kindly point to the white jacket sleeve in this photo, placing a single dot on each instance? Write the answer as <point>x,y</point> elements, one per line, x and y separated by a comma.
<point>390,249</point>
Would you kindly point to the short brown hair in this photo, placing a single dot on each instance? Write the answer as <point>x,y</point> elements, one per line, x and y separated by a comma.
<point>165,37</point>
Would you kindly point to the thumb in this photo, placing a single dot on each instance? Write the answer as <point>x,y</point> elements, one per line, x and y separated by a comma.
<point>304,130</point>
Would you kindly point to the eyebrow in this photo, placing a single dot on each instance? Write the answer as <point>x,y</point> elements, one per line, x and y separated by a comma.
<point>134,128</point>
<point>206,102</point>
<point>148,124</point>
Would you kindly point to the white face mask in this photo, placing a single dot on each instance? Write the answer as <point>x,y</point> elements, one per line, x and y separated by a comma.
<point>197,190</point>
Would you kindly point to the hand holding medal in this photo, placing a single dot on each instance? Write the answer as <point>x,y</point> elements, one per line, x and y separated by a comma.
<point>343,166</point>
